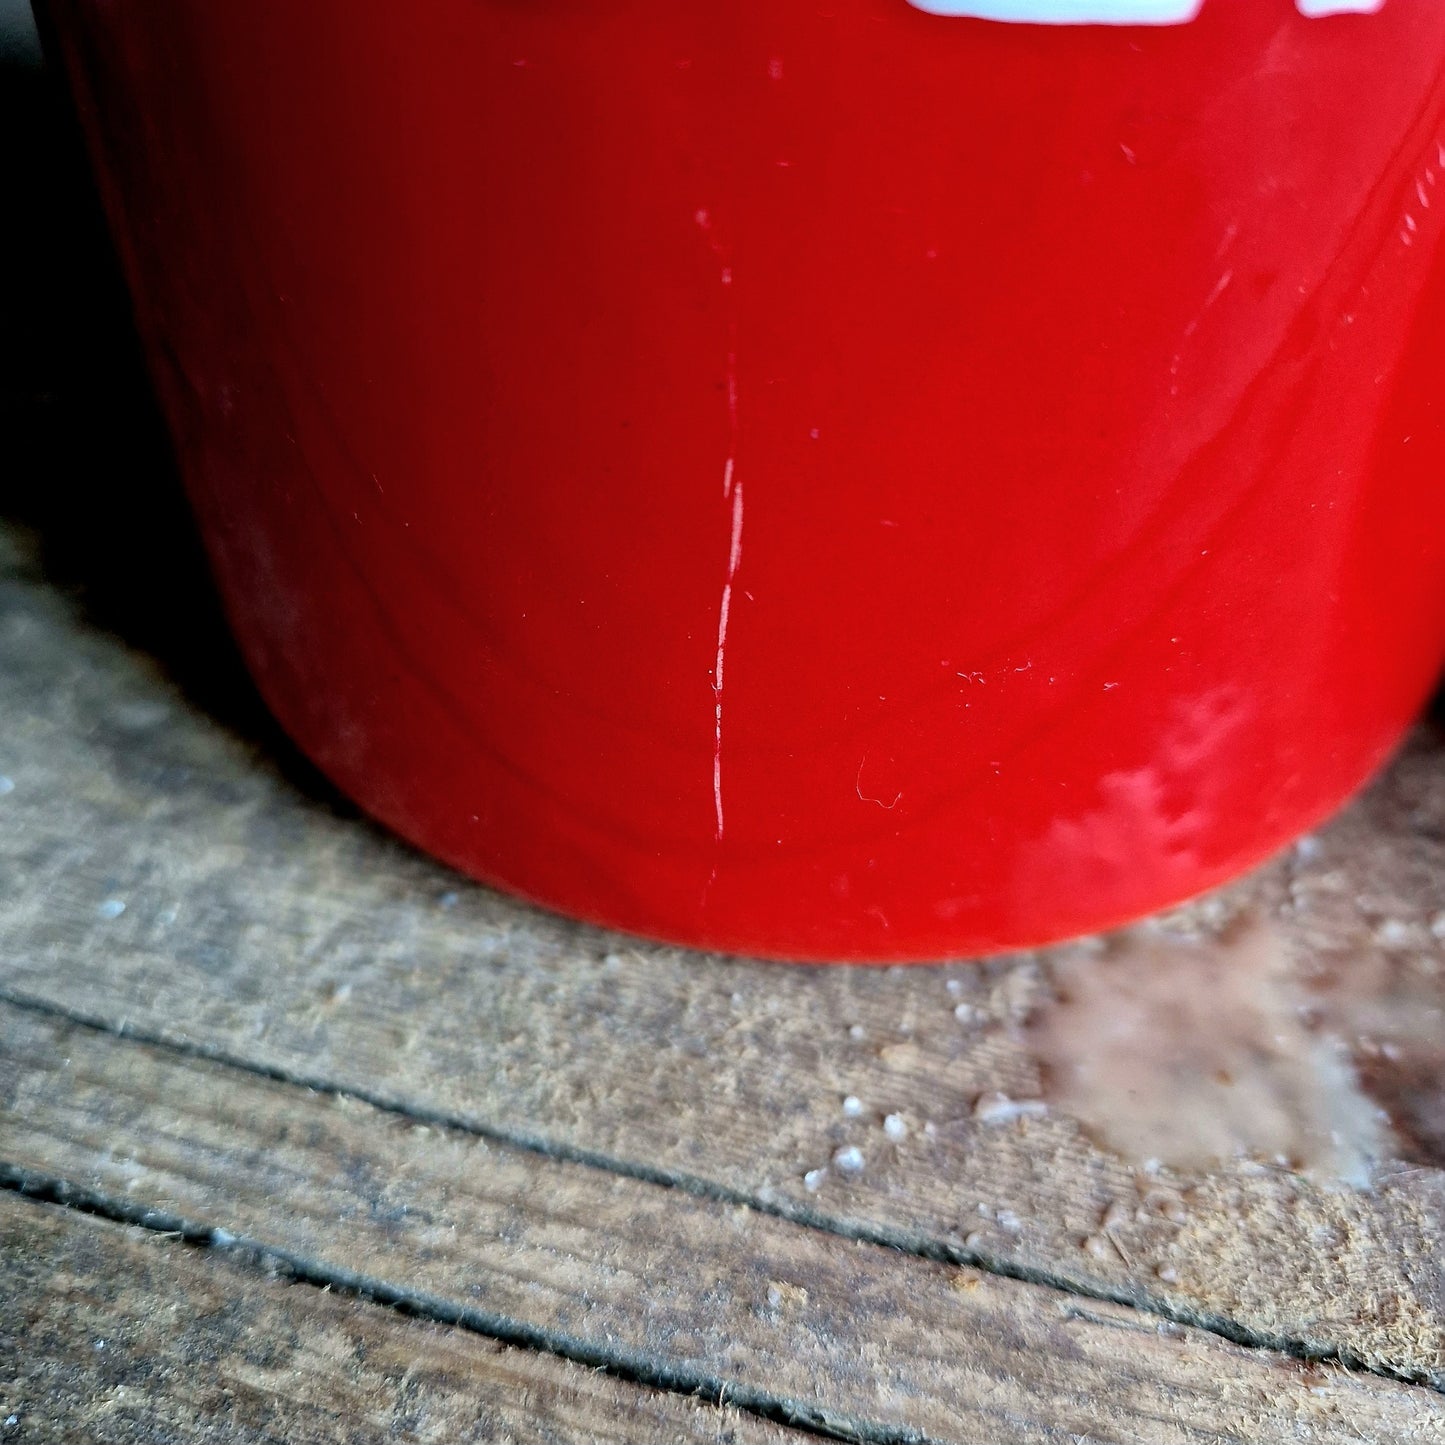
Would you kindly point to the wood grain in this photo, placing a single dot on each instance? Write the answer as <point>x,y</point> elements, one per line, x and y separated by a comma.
<point>110,1334</point>
<point>837,1334</point>
<point>264,922</point>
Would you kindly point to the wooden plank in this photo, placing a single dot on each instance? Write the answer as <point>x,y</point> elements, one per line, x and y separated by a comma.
<point>262,921</point>
<point>848,1336</point>
<point>113,1334</point>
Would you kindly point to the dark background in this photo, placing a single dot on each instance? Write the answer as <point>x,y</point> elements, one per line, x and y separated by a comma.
<point>86,467</point>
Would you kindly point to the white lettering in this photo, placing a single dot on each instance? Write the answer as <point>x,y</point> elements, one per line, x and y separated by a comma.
<point>1116,12</point>
<point>1069,12</point>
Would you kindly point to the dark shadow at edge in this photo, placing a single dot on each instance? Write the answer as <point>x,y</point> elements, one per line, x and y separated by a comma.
<point>88,468</point>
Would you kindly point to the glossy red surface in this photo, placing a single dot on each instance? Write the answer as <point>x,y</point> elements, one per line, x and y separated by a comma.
<point>828,481</point>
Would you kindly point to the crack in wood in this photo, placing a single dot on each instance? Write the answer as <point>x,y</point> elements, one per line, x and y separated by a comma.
<point>629,1365</point>
<point>762,1202</point>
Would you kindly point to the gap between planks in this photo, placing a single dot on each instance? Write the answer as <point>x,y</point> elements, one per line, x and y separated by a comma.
<point>763,1203</point>
<point>124,1334</point>
<point>312,944</point>
<point>628,1366</point>
<point>593,1267</point>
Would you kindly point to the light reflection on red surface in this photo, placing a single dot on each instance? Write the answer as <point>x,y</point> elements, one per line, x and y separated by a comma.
<point>1082,385</point>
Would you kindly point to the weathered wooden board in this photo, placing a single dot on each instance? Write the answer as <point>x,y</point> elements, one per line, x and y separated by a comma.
<point>793,1321</point>
<point>110,1334</point>
<point>165,877</point>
